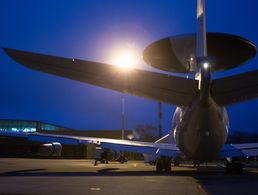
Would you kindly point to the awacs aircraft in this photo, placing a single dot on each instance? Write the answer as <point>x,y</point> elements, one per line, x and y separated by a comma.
<point>200,123</point>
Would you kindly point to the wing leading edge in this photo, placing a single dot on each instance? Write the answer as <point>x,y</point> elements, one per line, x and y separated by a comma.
<point>155,149</point>
<point>156,86</point>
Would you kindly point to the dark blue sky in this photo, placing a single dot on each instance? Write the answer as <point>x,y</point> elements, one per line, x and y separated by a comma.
<point>90,29</point>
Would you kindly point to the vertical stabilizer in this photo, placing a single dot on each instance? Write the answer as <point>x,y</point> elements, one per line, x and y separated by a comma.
<point>201,41</point>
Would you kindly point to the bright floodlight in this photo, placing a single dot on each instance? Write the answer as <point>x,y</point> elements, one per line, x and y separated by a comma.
<point>124,59</point>
<point>206,65</point>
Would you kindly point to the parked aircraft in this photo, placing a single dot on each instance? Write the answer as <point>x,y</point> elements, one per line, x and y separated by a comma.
<point>200,122</point>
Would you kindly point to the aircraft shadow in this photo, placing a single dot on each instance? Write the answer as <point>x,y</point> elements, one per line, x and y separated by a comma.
<point>198,174</point>
<point>212,181</point>
<point>229,184</point>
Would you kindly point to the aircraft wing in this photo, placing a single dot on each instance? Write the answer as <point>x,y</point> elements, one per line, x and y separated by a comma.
<point>161,87</point>
<point>156,149</point>
<point>239,150</point>
<point>234,89</point>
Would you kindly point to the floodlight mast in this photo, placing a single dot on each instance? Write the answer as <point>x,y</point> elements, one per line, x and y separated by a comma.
<point>123,117</point>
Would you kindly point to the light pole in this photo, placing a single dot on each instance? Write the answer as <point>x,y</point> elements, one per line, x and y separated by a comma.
<point>160,118</point>
<point>123,117</point>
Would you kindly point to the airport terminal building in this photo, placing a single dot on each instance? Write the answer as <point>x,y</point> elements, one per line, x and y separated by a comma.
<point>12,147</point>
<point>27,126</point>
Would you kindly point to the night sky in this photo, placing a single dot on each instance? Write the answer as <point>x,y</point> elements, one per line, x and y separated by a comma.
<point>93,30</point>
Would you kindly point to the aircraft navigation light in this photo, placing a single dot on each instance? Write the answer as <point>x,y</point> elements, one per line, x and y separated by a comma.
<point>206,65</point>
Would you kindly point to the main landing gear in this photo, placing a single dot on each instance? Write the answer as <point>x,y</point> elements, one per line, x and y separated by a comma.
<point>163,164</point>
<point>196,164</point>
<point>233,167</point>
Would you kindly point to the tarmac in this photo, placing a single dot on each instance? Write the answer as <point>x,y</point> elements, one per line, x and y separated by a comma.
<point>58,176</point>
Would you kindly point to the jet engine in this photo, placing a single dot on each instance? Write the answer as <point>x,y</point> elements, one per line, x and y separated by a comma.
<point>112,155</point>
<point>50,150</point>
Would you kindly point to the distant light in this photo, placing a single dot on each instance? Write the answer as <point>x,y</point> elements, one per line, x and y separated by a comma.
<point>130,136</point>
<point>206,65</point>
<point>191,59</point>
<point>14,129</point>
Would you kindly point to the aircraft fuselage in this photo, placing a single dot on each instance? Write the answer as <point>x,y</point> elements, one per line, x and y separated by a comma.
<point>200,130</point>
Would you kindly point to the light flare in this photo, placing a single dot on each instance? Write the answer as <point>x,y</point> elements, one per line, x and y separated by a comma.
<point>125,57</point>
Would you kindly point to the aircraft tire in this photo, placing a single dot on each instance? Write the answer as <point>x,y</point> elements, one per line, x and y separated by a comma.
<point>163,164</point>
<point>159,167</point>
<point>168,166</point>
<point>176,164</point>
<point>234,168</point>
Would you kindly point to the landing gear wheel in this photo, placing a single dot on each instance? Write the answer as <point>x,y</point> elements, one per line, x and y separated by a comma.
<point>168,166</point>
<point>176,164</point>
<point>122,159</point>
<point>96,162</point>
<point>234,168</point>
<point>158,167</point>
<point>196,164</point>
<point>163,164</point>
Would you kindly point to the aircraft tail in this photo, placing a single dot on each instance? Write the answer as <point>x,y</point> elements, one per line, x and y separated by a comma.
<point>185,54</point>
<point>203,63</point>
<point>201,40</point>
<point>227,90</point>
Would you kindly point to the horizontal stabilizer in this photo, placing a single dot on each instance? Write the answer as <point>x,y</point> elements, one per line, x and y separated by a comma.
<point>156,86</point>
<point>234,89</point>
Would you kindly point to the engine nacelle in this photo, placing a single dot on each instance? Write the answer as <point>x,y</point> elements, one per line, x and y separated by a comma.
<point>105,155</point>
<point>110,155</point>
<point>50,150</point>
